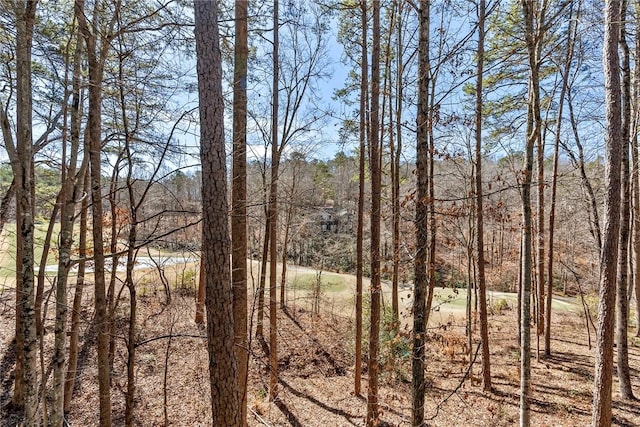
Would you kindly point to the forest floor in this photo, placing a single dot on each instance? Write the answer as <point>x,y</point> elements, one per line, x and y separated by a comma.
<point>316,365</point>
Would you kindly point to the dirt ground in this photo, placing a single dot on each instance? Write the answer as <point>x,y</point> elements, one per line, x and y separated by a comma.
<point>317,370</point>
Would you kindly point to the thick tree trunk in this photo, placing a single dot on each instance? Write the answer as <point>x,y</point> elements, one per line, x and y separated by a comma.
<point>225,405</point>
<point>22,164</point>
<point>613,137</point>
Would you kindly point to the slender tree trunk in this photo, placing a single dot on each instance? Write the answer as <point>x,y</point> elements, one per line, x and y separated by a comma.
<point>273,216</point>
<point>636,172</point>
<point>131,339</point>
<point>364,90</point>
<point>129,282</point>
<point>388,89</point>
<point>77,298</point>
<point>46,249</point>
<point>285,249</point>
<point>482,285</point>
<point>71,192</point>
<point>263,276</point>
<point>533,136</point>
<point>225,405</point>
<point>199,319</point>
<point>398,150</point>
<point>239,204</point>
<point>554,183</point>
<point>613,137</point>
<point>422,187</point>
<point>373,415</point>
<point>540,259</point>
<point>431,200</point>
<point>96,56</point>
<point>622,303</point>
<point>594,216</point>
<point>9,195</point>
<point>115,226</point>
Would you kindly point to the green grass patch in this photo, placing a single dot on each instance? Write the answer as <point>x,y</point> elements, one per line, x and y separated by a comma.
<point>8,247</point>
<point>328,282</point>
<point>456,299</point>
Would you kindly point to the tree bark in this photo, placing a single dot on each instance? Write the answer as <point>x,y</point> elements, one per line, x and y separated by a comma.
<point>422,195</point>
<point>601,410</point>
<point>482,285</point>
<point>239,204</point>
<point>73,178</point>
<point>533,135</point>
<point>398,151</point>
<point>373,415</point>
<point>364,90</point>
<point>77,298</point>
<point>22,162</point>
<point>636,172</point>
<point>622,302</point>
<point>96,55</point>
<point>225,405</point>
<point>273,216</point>
<point>571,34</point>
<point>263,274</point>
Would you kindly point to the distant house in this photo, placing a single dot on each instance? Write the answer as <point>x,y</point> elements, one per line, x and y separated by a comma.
<point>334,221</point>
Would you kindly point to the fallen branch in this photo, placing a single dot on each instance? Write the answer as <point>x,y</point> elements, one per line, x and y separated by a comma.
<point>255,414</point>
<point>162,337</point>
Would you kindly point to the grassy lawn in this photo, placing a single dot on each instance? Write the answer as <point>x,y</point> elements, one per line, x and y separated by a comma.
<point>8,247</point>
<point>456,299</point>
<point>328,282</point>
